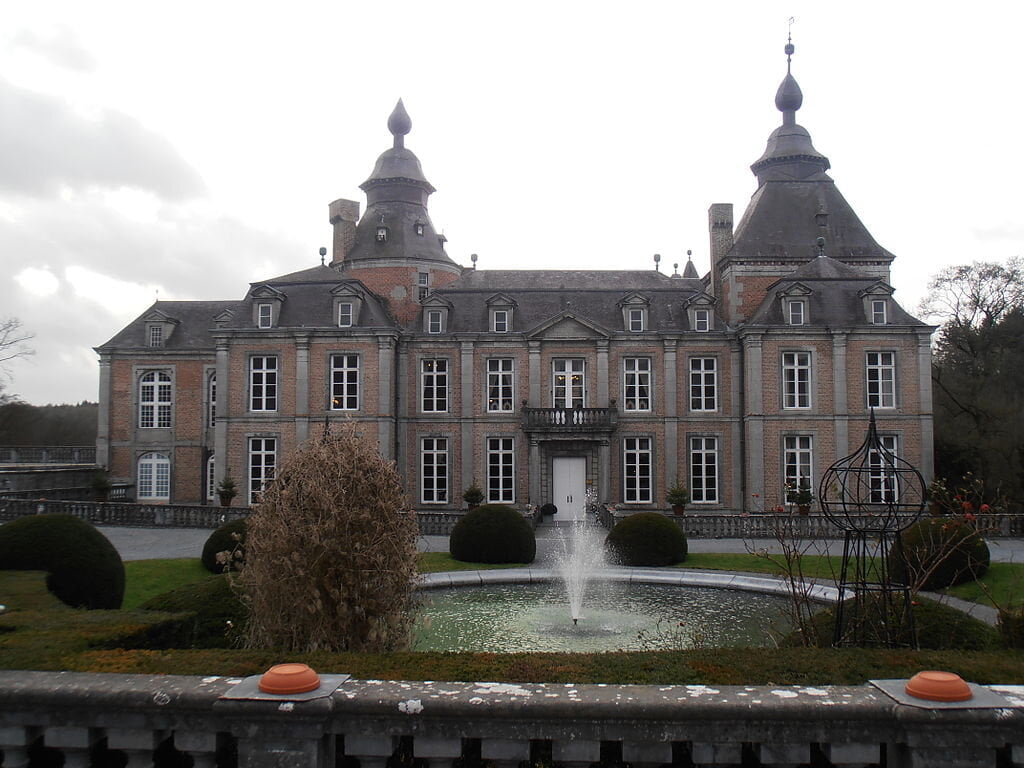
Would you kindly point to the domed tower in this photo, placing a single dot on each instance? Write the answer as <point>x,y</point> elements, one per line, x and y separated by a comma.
<point>393,249</point>
<point>796,202</point>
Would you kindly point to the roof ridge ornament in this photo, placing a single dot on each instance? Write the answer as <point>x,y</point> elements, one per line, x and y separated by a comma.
<point>399,123</point>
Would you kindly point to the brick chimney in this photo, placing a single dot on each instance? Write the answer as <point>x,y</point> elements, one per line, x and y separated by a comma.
<point>344,214</point>
<point>720,231</point>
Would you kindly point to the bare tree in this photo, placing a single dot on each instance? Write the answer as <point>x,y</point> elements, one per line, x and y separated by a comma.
<point>13,344</point>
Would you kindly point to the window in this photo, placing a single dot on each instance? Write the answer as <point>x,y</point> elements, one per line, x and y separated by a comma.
<point>344,382</point>
<point>796,380</point>
<point>499,385</point>
<point>211,479</point>
<point>884,487</point>
<point>636,474</point>
<point>702,320</point>
<point>156,335</point>
<point>879,313</point>
<point>796,312</point>
<point>345,314</point>
<point>265,314</point>
<point>881,371</point>
<point>382,234</point>
<point>434,470</point>
<point>797,457</point>
<point>703,384</point>
<point>423,285</point>
<point>418,228</point>
<point>636,383</point>
<point>499,321</point>
<point>704,470</point>
<point>156,398</point>
<point>501,470</point>
<point>567,379</point>
<point>636,320</point>
<point>262,463</point>
<point>211,400</point>
<point>263,383</point>
<point>154,478</point>
<point>434,386</point>
<point>434,323</point>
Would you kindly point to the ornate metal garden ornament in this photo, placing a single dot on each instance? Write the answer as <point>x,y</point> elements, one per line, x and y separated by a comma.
<point>872,495</point>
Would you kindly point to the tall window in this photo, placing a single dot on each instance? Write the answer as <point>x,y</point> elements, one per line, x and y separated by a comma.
<point>796,380</point>
<point>796,312</point>
<point>211,400</point>
<point>344,382</point>
<point>879,315</point>
<point>156,335</point>
<point>501,470</point>
<point>211,479</point>
<point>704,470</point>
<point>884,485</point>
<point>422,285</point>
<point>434,321</point>
<point>636,320</point>
<point>636,470</point>
<point>434,386</point>
<point>703,384</point>
<point>434,470</point>
<point>797,464</point>
<point>263,383</point>
<point>262,464</point>
<point>156,398</point>
<point>499,323</point>
<point>881,371</point>
<point>499,385</point>
<point>154,478</point>
<point>702,320</point>
<point>266,315</point>
<point>636,383</point>
<point>567,380</point>
<point>345,314</point>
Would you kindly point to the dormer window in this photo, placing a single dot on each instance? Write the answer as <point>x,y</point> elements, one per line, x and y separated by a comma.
<point>382,234</point>
<point>345,314</point>
<point>422,285</point>
<point>435,321</point>
<point>499,321</point>
<point>265,316</point>
<point>418,228</point>
<point>796,312</point>
<point>879,312</point>
<point>637,320</point>
<point>702,320</point>
<point>156,335</point>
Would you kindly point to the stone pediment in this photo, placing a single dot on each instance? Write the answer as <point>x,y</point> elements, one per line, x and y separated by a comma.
<point>568,326</point>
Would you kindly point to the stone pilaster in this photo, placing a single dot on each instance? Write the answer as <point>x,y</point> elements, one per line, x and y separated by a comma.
<point>602,374</point>
<point>534,400</point>
<point>385,396</point>
<point>841,413</point>
<point>224,414</point>
<point>301,388</point>
<point>466,377</point>
<point>671,411</point>
<point>103,416</point>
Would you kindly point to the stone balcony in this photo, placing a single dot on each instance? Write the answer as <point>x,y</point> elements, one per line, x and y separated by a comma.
<point>568,421</point>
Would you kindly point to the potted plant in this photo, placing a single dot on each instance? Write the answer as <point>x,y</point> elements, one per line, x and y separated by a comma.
<point>101,485</point>
<point>803,497</point>
<point>227,490</point>
<point>678,497</point>
<point>473,496</point>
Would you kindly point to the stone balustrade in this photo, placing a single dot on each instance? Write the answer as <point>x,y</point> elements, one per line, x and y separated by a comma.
<point>81,717</point>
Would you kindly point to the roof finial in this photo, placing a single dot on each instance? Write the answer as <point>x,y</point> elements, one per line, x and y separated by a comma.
<point>789,44</point>
<point>657,262</point>
<point>399,123</point>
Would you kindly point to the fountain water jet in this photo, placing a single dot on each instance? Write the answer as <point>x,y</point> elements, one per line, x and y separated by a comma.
<point>582,554</point>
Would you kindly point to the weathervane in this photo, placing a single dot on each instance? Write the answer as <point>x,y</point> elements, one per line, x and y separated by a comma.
<point>789,43</point>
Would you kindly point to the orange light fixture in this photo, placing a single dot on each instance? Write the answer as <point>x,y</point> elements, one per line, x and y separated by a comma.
<point>933,685</point>
<point>289,678</point>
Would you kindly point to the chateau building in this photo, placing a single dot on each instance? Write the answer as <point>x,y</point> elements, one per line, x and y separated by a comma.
<point>539,385</point>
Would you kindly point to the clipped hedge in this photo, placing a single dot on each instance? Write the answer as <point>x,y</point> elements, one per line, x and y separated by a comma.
<point>83,568</point>
<point>493,533</point>
<point>229,538</point>
<point>646,539</point>
<point>213,616</point>
<point>939,552</point>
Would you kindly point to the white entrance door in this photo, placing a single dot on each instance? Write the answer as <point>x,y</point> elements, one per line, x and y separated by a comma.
<point>570,487</point>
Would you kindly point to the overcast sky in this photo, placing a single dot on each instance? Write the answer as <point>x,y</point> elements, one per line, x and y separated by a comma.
<point>187,149</point>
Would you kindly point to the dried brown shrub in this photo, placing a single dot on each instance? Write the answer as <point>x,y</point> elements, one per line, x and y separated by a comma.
<point>331,555</point>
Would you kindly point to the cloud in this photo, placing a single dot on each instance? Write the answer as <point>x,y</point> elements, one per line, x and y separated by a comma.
<point>59,46</point>
<point>48,146</point>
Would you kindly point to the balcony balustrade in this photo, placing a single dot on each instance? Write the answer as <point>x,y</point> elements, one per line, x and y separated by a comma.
<point>564,420</point>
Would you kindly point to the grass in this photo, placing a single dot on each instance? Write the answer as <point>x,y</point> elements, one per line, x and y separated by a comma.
<point>814,566</point>
<point>1002,586</point>
<point>147,578</point>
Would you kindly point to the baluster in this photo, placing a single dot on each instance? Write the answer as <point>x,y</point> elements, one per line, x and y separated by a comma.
<point>73,742</point>
<point>505,753</point>
<point>647,754</point>
<point>14,741</point>
<point>705,755</point>
<point>440,752</point>
<point>852,755</point>
<point>138,744</point>
<point>783,755</point>
<point>371,751</point>
<point>578,753</point>
<point>200,746</point>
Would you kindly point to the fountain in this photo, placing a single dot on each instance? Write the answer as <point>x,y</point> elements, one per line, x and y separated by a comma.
<point>581,555</point>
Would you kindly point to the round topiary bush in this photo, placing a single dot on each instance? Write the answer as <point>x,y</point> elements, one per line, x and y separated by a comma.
<point>493,533</point>
<point>549,509</point>
<point>229,539</point>
<point>82,567</point>
<point>215,615</point>
<point>646,538</point>
<point>940,552</point>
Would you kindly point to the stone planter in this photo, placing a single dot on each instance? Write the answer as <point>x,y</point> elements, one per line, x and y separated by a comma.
<point>678,509</point>
<point>803,509</point>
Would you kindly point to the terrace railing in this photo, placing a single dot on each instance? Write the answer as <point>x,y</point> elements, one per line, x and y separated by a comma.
<point>570,419</point>
<point>47,454</point>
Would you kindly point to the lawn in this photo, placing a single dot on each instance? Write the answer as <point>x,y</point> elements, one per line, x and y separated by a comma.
<point>1002,586</point>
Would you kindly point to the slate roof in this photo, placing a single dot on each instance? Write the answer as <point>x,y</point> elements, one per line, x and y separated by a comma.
<point>195,319</point>
<point>593,295</point>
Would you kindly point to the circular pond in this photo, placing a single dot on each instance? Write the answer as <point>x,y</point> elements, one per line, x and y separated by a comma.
<point>510,618</point>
